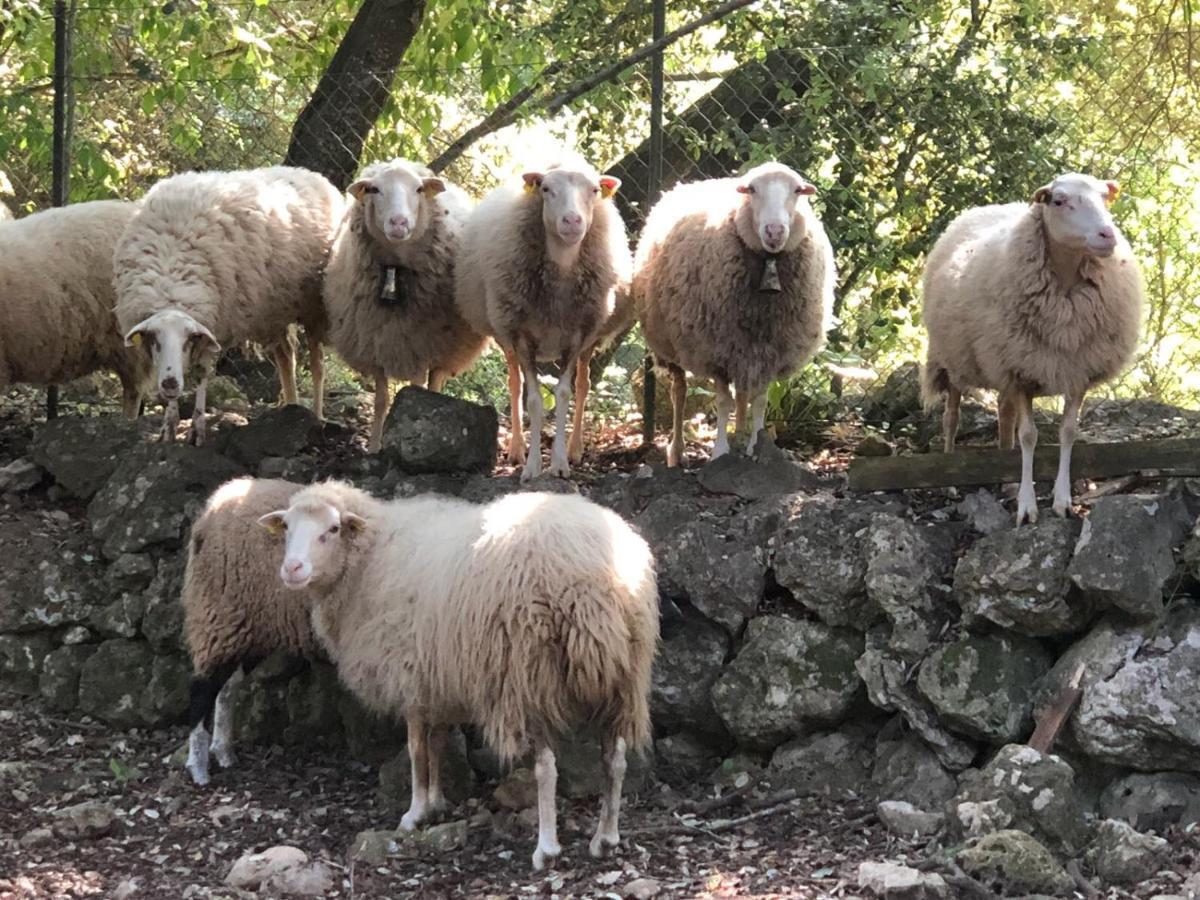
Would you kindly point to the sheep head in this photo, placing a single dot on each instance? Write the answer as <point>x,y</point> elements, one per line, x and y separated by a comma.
<point>174,342</point>
<point>397,199</point>
<point>317,535</point>
<point>569,196</point>
<point>772,217</point>
<point>1075,213</point>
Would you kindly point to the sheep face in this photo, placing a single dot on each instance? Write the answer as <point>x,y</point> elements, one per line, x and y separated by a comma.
<point>569,199</point>
<point>773,193</point>
<point>175,342</point>
<point>316,541</point>
<point>397,201</point>
<point>1075,213</point>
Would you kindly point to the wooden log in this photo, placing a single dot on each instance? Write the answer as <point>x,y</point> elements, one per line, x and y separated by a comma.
<point>1051,722</point>
<point>965,467</point>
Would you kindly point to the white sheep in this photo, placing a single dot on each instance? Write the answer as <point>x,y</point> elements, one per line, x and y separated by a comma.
<point>236,611</point>
<point>389,287</point>
<point>733,280</point>
<point>57,299</point>
<point>522,616</point>
<point>1030,300</point>
<point>5,212</point>
<point>216,258</point>
<point>544,270</point>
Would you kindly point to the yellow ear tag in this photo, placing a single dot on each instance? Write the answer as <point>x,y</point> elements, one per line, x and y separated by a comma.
<point>531,187</point>
<point>136,339</point>
<point>1114,191</point>
<point>606,191</point>
<point>275,528</point>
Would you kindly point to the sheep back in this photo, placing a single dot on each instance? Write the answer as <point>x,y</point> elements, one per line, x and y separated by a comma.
<point>242,252</point>
<point>424,331</point>
<point>998,318</point>
<point>695,286</point>
<point>235,606</point>
<point>57,297</point>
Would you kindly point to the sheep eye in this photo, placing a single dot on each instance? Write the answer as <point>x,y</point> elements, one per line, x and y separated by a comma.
<point>595,190</point>
<point>1058,201</point>
<point>370,189</point>
<point>750,189</point>
<point>333,529</point>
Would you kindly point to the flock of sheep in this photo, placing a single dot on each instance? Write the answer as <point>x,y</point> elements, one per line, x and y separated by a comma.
<point>536,611</point>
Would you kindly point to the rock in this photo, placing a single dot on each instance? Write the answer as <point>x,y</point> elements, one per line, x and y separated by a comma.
<point>642,889</point>
<point>517,790</point>
<point>1017,579</point>
<point>376,847</point>
<point>983,686</point>
<point>737,770</point>
<point>1033,791</point>
<point>832,763</point>
<point>20,475</point>
<point>283,431</point>
<point>687,665</point>
<point>896,882</point>
<point>165,698</point>
<point>430,432</point>
<point>685,758</point>
<point>312,880</point>
<point>458,778</point>
<point>1153,801</point>
<point>54,581</point>
<point>130,887</point>
<point>223,393</point>
<point>905,567</point>
<point>872,444</point>
<point>1124,554</point>
<point>1146,715</point>
<point>162,621</point>
<point>581,774</point>
<point>821,560</point>
<point>1123,855</point>
<point>788,676</point>
<point>906,770</point>
<point>59,684</point>
<point>130,572</point>
<point>126,685</point>
<point>767,473</point>
<point>898,397</point>
<point>984,513</point>
<point>154,492</point>
<point>81,453</point>
<point>37,837</point>
<point>902,818</point>
<point>21,659</point>
<point>252,869</point>
<point>83,821</point>
<point>121,618</point>
<point>1014,861</point>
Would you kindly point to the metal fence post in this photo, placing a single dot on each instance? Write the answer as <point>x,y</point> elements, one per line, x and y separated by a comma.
<point>650,380</point>
<point>61,153</point>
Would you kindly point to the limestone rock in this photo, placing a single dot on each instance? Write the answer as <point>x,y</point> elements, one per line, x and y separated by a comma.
<point>1153,801</point>
<point>902,818</point>
<point>893,881</point>
<point>21,659</point>
<point>82,452</point>
<point>1123,855</point>
<point>1014,861</point>
<point>833,763</point>
<point>83,821</point>
<point>907,770</point>
<point>59,684</point>
<point>430,432</point>
<point>905,567</point>
<point>283,431</point>
<point>685,668</point>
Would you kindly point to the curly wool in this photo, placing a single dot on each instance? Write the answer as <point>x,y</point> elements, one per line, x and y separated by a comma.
<point>234,605</point>
<point>523,616</point>
<point>243,253</point>
<point>57,297</point>
<point>998,318</point>
<point>695,285</point>
<point>425,331</point>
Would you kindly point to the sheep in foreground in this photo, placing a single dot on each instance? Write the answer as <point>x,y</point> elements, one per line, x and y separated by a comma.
<point>1030,300</point>
<point>217,258</point>
<point>389,287</point>
<point>57,299</point>
<point>236,612</point>
<point>522,616</point>
<point>544,270</point>
<point>733,280</point>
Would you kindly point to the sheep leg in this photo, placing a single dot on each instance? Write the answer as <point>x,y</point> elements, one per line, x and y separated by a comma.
<point>131,399</point>
<point>418,755</point>
<point>1066,440</point>
<point>950,419</point>
<point>1006,420</point>
<point>758,416</point>
<point>382,399</point>
<point>1027,433</point>
<point>548,848</point>
<point>222,736</point>
<point>516,439</point>
<point>198,432</point>
<point>607,835</point>
<point>203,697</point>
<point>583,383</point>
<point>739,412</point>
<point>170,421</point>
<point>436,742</point>
<point>678,403</point>
<point>560,467</point>
<point>436,380</point>
<point>285,365</point>
<point>533,399</point>
<point>316,365</point>
<point>724,408</point>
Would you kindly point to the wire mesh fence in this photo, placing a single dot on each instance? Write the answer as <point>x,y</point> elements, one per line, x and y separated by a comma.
<point>900,124</point>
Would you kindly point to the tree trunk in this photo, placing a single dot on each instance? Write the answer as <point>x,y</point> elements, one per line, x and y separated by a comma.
<point>333,126</point>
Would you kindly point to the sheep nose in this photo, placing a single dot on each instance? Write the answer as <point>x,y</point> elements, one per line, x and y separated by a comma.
<point>170,383</point>
<point>398,221</point>
<point>572,219</point>
<point>293,566</point>
<point>774,233</point>
<point>1107,234</point>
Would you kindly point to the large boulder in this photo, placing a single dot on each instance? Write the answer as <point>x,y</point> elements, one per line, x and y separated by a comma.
<point>430,432</point>
<point>983,686</point>
<point>283,431</point>
<point>54,581</point>
<point>906,564</point>
<point>788,676</point>
<point>82,453</point>
<point>769,472</point>
<point>162,618</point>
<point>126,685</point>
<point>1017,579</point>
<point>59,684</point>
<point>1124,855</point>
<point>831,763</point>
<point>1153,801</point>
<point>685,668</point>
<point>907,770</point>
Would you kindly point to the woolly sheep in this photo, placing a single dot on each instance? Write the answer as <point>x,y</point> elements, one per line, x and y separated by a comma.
<point>236,612</point>
<point>545,269</point>
<point>406,218</point>
<point>522,616</point>
<point>1030,300</point>
<point>57,298</point>
<point>215,258</point>
<point>5,212</point>
<point>733,280</point>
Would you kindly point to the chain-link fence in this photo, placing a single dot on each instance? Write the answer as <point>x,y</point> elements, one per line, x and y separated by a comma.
<point>901,124</point>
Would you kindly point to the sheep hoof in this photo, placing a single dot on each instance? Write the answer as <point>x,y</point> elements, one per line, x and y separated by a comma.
<point>559,468</point>
<point>224,755</point>
<point>602,845</point>
<point>533,468</point>
<point>575,455</point>
<point>545,856</point>
<point>516,455</point>
<point>409,821</point>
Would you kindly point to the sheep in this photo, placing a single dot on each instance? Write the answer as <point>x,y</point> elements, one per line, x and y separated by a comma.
<point>544,270</point>
<point>214,258</point>
<point>521,616</point>
<point>57,299</point>
<point>1029,300</point>
<point>235,610</point>
<point>389,286</point>
<point>733,280</point>
<point>5,212</point>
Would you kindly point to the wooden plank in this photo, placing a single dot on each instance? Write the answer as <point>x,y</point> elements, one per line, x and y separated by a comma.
<point>1051,722</point>
<point>967,467</point>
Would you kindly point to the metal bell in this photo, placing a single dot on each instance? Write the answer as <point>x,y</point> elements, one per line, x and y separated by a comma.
<point>770,283</point>
<point>390,292</point>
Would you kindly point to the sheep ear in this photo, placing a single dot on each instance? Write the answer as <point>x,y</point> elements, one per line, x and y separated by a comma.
<point>356,524</point>
<point>1042,194</point>
<point>433,186</point>
<point>533,181</point>
<point>806,189</point>
<point>745,189</point>
<point>133,337</point>
<point>199,329</point>
<point>608,185</point>
<point>359,187</point>
<point>1114,191</point>
<point>273,521</point>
